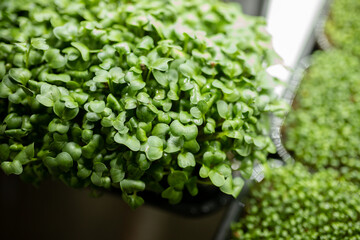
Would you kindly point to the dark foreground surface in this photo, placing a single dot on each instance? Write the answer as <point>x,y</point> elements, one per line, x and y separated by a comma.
<point>55,211</point>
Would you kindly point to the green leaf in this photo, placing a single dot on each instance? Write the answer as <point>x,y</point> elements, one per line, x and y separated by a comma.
<point>14,167</point>
<point>160,64</point>
<point>195,112</point>
<point>134,200</point>
<point>64,161</point>
<point>115,36</point>
<point>83,49</point>
<point>4,152</point>
<point>238,184</point>
<point>184,117</point>
<point>232,186</point>
<point>100,181</point>
<point>117,175</point>
<point>79,97</point>
<point>192,145</point>
<point>130,186</point>
<point>210,126</point>
<point>20,75</point>
<point>191,186</point>
<point>204,171</point>
<point>177,179</point>
<point>154,148</point>
<point>161,78</point>
<point>2,69</point>
<point>106,53</point>
<point>130,141</point>
<point>246,168</point>
<point>89,149</point>
<point>142,162</point>
<point>160,130</point>
<point>232,69</point>
<point>137,20</point>
<point>216,178</point>
<point>174,144</point>
<point>44,100</point>
<point>117,172</point>
<point>57,78</point>
<point>54,58</point>
<point>60,126</point>
<point>122,48</point>
<point>244,150</point>
<point>135,80</point>
<point>132,60</point>
<point>188,69</point>
<point>260,142</point>
<point>157,25</point>
<point>117,75</point>
<point>25,155</point>
<point>83,172</point>
<point>72,53</point>
<point>146,43</point>
<point>178,129</point>
<point>223,109</point>
<point>222,87</point>
<point>100,168</point>
<point>39,43</point>
<point>62,111</point>
<point>73,149</point>
<point>223,169</point>
<point>97,106</point>
<point>67,32</point>
<point>50,162</point>
<point>113,103</point>
<point>173,195</point>
<point>186,160</point>
<point>22,46</point>
<point>248,94</point>
<point>107,64</point>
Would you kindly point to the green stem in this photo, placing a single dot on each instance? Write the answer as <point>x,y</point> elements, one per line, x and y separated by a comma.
<point>148,75</point>
<point>168,53</point>
<point>204,182</point>
<point>212,136</point>
<point>186,40</point>
<point>27,56</point>
<point>197,157</point>
<point>111,86</point>
<point>95,51</point>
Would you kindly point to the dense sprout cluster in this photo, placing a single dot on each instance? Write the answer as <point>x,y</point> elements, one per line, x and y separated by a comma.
<point>323,128</point>
<point>294,204</point>
<point>134,95</point>
<point>342,27</point>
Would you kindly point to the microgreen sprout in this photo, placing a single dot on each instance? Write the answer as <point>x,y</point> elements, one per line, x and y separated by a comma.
<point>136,95</point>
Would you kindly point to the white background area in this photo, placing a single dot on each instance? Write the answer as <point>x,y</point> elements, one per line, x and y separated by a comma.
<point>291,22</point>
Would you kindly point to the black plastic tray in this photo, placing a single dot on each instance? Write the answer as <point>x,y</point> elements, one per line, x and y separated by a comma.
<point>233,213</point>
<point>321,38</point>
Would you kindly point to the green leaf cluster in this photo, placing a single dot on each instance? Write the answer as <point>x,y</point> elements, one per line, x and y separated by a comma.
<point>136,95</point>
<point>292,203</point>
<point>342,27</point>
<point>323,128</point>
